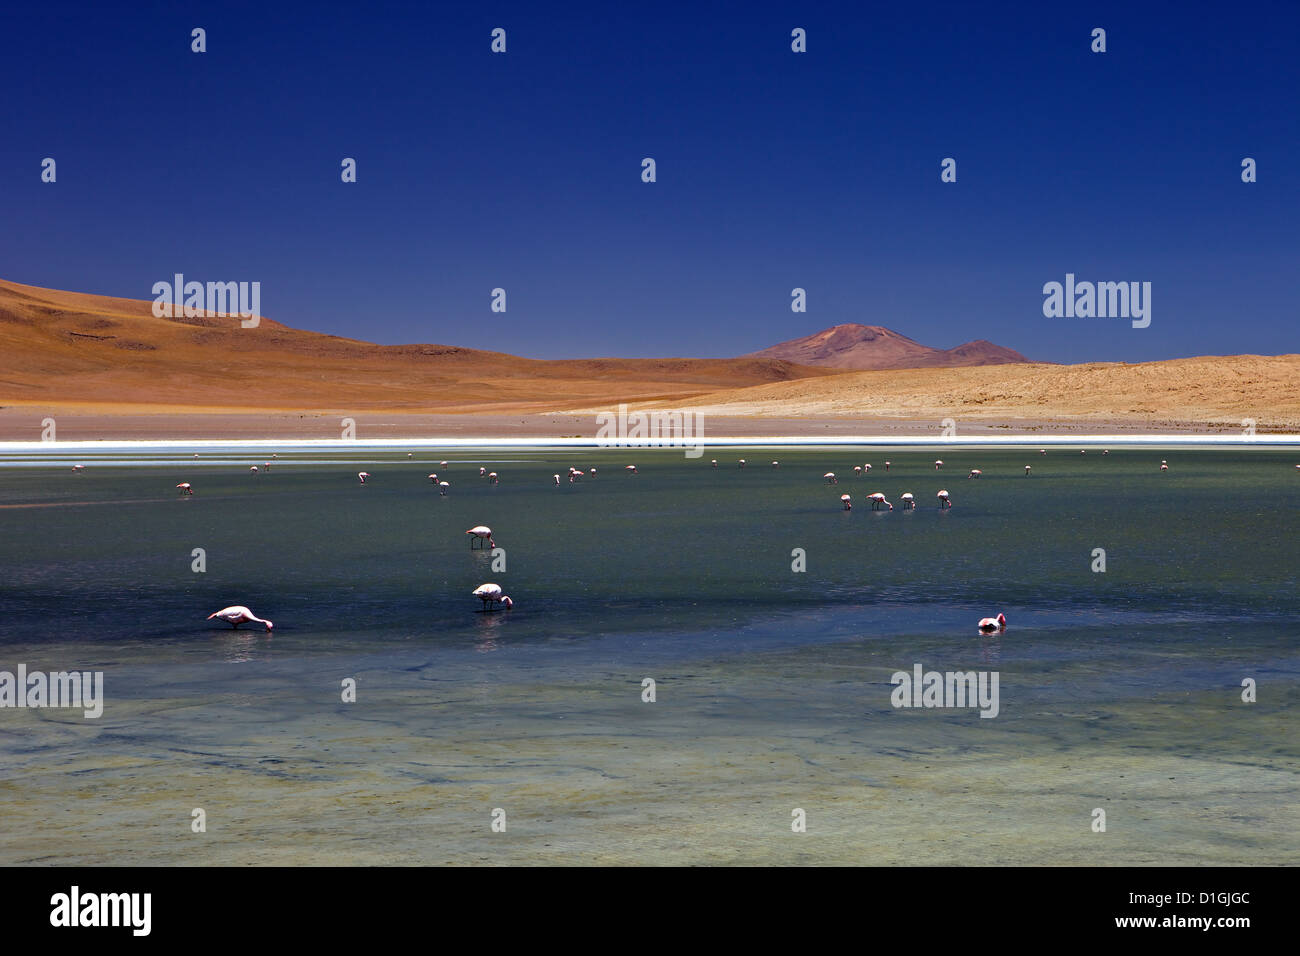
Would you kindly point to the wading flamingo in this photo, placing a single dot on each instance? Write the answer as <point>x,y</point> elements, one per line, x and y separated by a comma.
<point>848,502</point>
<point>990,624</point>
<point>630,469</point>
<point>857,471</point>
<point>776,464</point>
<point>974,473</point>
<point>741,463</point>
<point>490,595</point>
<point>909,501</point>
<point>185,488</point>
<point>887,464</point>
<point>1027,467</point>
<point>78,468</point>
<point>480,532</point>
<point>364,476</point>
<point>443,486</point>
<point>252,470</point>
<point>714,463</point>
<point>866,468</point>
<point>830,478</point>
<point>492,478</point>
<point>1164,466</point>
<point>237,614</point>
<point>557,478</point>
<point>878,499</point>
<point>938,464</point>
<point>442,464</point>
<point>1042,451</point>
<point>434,478</point>
<point>592,472</point>
<point>944,500</point>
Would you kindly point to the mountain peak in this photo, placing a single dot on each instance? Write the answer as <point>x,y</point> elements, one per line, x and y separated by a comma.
<point>851,345</point>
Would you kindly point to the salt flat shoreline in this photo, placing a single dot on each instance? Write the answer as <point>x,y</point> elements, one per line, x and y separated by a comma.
<point>21,426</point>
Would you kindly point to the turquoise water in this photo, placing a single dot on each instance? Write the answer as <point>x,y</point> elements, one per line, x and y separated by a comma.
<point>683,572</point>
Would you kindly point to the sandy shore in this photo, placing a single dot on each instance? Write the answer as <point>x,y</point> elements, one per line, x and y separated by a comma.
<point>95,423</point>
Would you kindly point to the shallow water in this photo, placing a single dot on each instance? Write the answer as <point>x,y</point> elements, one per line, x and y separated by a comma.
<point>1118,690</point>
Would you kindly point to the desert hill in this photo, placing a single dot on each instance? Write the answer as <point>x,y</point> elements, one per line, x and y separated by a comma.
<point>63,347</point>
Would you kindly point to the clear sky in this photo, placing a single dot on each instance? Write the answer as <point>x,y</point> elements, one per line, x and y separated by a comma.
<point>775,169</point>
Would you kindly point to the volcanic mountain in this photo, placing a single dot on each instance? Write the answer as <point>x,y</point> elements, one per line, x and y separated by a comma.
<point>857,347</point>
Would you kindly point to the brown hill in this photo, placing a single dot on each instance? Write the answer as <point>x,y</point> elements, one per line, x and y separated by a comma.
<point>859,347</point>
<point>68,347</point>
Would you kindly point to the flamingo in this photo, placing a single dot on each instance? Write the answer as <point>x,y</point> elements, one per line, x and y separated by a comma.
<point>938,464</point>
<point>1042,451</point>
<point>1027,467</point>
<point>990,624</point>
<point>713,463</point>
<point>442,464</point>
<point>1164,466</point>
<point>408,454</point>
<point>974,473</point>
<point>592,472</point>
<point>866,468</point>
<point>363,475</point>
<point>434,478</point>
<point>196,454</point>
<point>1083,451</point>
<point>944,500</point>
<point>857,471</point>
<point>443,486</point>
<point>742,463</point>
<point>237,614</point>
<point>481,531</point>
<point>909,500</point>
<point>830,478</point>
<point>185,488</point>
<point>490,595</point>
<point>557,478</point>
<point>492,478</point>
<point>776,464</point>
<point>887,464</point>
<point>1105,451</point>
<point>252,470</point>
<point>78,468</point>
<point>848,502</point>
<point>266,465</point>
<point>482,471</point>
<point>630,469</point>
<point>878,499</point>
<point>274,455</point>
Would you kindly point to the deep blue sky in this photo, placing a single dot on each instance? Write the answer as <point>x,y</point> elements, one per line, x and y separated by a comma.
<point>775,169</point>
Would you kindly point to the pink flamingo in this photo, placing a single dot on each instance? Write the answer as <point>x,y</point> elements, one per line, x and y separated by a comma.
<point>443,486</point>
<point>492,478</point>
<point>944,500</point>
<point>974,473</point>
<point>479,532</point>
<point>830,478</point>
<point>990,624</point>
<point>1164,466</point>
<point>878,499</point>
<point>887,464</point>
<point>237,614</point>
<point>1027,467</point>
<point>363,475</point>
<point>848,502</point>
<point>909,501</point>
<point>185,488</point>
<point>631,469</point>
<point>938,464</point>
<point>490,595</point>
<point>78,468</point>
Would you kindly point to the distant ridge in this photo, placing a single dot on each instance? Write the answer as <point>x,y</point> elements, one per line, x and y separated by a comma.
<point>863,347</point>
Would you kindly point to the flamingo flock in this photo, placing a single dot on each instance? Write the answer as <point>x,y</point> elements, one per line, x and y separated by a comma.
<point>492,595</point>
